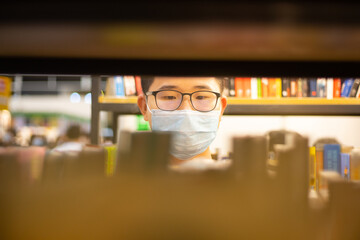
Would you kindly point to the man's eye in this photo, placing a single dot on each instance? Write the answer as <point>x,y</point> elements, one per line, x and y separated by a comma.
<point>201,97</point>
<point>168,97</point>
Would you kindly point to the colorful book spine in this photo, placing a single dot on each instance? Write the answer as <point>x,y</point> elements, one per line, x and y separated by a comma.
<point>247,87</point>
<point>285,87</point>
<point>312,167</point>
<point>265,87</point>
<point>299,87</point>
<point>354,88</point>
<point>259,91</point>
<point>119,86</point>
<point>319,164</point>
<point>129,84</point>
<point>293,87</point>
<point>332,157</point>
<point>239,87</point>
<point>355,164</point>
<point>254,88</point>
<point>346,87</point>
<point>138,85</point>
<point>305,87</point>
<point>321,87</point>
<point>337,88</point>
<point>345,165</point>
<point>272,87</point>
<point>330,88</point>
<point>312,87</point>
<point>278,83</point>
<point>232,87</point>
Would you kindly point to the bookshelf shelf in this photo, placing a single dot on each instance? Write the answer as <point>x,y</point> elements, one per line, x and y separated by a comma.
<point>262,101</point>
<point>265,106</point>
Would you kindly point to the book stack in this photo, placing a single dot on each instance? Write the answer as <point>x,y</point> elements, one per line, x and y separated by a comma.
<point>253,87</point>
<point>328,154</point>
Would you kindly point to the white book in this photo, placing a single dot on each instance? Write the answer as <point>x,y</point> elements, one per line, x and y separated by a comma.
<point>254,88</point>
<point>330,88</point>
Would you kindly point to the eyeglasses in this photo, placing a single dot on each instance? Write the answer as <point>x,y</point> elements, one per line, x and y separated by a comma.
<point>170,100</point>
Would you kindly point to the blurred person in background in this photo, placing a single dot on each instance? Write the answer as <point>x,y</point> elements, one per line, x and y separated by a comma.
<point>72,140</point>
<point>189,107</point>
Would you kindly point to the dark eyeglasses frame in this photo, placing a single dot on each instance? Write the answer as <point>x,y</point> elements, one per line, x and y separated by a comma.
<point>154,93</point>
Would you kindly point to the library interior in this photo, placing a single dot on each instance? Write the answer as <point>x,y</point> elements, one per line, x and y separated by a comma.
<point>224,120</point>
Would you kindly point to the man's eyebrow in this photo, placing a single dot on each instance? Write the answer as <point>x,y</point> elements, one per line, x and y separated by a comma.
<point>203,87</point>
<point>167,87</point>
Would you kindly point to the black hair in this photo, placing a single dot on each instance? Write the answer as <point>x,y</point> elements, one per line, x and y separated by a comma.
<point>146,82</point>
<point>73,132</point>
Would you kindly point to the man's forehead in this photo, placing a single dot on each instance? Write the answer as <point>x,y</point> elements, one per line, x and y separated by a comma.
<point>185,83</point>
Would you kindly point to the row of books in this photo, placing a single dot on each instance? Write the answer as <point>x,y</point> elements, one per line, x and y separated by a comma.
<point>121,86</point>
<point>293,87</point>
<point>332,156</point>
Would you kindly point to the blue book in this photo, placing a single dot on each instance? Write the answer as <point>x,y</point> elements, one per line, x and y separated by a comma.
<point>119,86</point>
<point>346,87</point>
<point>332,157</point>
<point>312,87</point>
<point>345,165</point>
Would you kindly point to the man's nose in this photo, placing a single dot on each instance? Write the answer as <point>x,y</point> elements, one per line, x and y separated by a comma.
<point>186,104</point>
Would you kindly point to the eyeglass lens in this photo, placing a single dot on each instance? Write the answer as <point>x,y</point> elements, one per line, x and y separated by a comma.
<point>171,100</point>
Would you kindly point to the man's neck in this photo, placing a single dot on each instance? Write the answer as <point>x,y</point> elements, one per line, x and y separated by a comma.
<point>176,161</point>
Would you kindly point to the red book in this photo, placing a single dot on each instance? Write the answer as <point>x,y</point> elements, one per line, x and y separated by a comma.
<point>337,88</point>
<point>239,87</point>
<point>247,87</point>
<point>293,87</point>
<point>138,85</point>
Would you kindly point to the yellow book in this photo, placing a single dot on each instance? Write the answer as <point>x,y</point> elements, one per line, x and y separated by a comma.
<point>110,160</point>
<point>278,87</point>
<point>312,167</point>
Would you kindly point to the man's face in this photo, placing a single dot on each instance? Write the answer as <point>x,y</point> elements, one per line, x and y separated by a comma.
<point>183,85</point>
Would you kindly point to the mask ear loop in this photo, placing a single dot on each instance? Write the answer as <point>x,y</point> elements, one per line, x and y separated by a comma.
<point>147,105</point>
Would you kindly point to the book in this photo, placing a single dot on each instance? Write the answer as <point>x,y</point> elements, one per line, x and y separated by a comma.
<point>355,164</point>
<point>305,87</point>
<point>119,86</point>
<point>312,87</point>
<point>321,87</point>
<point>138,85</point>
<point>259,91</point>
<point>278,87</point>
<point>358,93</point>
<point>345,165</point>
<point>293,87</point>
<point>354,88</point>
<point>312,167</point>
<point>331,157</point>
<point>272,87</point>
<point>299,87</point>
<point>346,87</point>
<point>239,87</point>
<point>337,88</point>
<point>129,85</point>
<point>247,87</point>
<point>265,87</point>
<point>110,87</point>
<point>319,156</point>
<point>330,88</point>
<point>231,87</point>
<point>254,88</point>
<point>285,87</point>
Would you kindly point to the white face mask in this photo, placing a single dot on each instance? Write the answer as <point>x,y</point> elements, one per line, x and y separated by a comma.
<point>193,131</point>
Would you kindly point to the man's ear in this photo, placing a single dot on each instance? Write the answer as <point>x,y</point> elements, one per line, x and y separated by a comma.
<point>141,102</point>
<point>223,102</point>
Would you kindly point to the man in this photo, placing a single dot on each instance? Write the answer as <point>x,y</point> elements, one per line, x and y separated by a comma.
<point>189,107</point>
